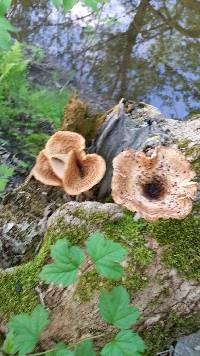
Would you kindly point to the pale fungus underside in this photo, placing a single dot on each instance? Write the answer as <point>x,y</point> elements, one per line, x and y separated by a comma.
<point>156,185</point>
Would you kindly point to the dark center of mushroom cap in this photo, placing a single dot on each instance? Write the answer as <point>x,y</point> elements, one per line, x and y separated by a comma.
<point>154,189</point>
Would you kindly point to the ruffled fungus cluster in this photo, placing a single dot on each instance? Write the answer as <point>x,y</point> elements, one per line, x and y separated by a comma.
<point>64,163</point>
<point>156,185</point>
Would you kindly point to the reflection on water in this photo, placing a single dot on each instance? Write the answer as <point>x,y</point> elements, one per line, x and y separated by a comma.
<point>146,50</point>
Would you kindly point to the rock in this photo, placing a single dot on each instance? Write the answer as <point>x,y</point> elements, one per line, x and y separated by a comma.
<point>24,215</point>
<point>140,126</point>
<point>188,345</point>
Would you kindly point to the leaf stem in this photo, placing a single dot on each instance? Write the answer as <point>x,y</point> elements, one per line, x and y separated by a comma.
<point>69,346</point>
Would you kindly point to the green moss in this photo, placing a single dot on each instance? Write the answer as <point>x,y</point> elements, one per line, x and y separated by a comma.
<point>183,144</point>
<point>196,166</point>
<point>181,239</point>
<point>94,218</point>
<point>165,333</point>
<point>17,292</point>
<point>88,282</point>
<point>75,234</point>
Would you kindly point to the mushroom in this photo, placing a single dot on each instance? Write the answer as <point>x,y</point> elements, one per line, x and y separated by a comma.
<point>156,185</point>
<point>82,172</point>
<point>64,163</point>
<point>63,142</point>
<point>43,172</point>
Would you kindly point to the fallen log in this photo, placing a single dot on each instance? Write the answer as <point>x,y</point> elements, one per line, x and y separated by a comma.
<point>162,271</point>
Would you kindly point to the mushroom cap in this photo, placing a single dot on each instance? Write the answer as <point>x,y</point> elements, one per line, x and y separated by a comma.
<point>82,172</point>
<point>63,142</point>
<point>43,172</point>
<point>156,186</point>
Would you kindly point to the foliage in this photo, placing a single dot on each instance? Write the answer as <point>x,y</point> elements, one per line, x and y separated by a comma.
<point>5,26</point>
<point>125,343</point>
<point>106,255</point>
<point>115,309</point>
<point>5,173</point>
<point>28,114</point>
<point>25,330</point>
<point>67,260</point>
<point>67,5</point>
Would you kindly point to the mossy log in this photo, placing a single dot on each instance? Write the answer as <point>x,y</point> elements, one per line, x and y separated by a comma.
<point>162,271</point>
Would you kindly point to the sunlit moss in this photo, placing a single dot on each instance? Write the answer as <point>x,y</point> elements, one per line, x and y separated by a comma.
<point>181,239</point>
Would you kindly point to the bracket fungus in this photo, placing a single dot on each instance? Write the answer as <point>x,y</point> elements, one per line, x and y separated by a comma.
<point>64,163</point>
<point>156,185</point>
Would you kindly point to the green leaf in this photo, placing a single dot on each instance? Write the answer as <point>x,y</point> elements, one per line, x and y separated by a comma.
<point>106,255</point>
<point>85,348</point>
<point>67,260</point>
<point>114,308</point>
<point>5,25</point>
<point>68,5</point>
<point>8,345</point>
<point>5,40</point>
<point>27,329</point>
<point>57,3</point>
<point>60,350</point>
<point>4,6</point>
<point>92,4</point>
<point>125,343</point>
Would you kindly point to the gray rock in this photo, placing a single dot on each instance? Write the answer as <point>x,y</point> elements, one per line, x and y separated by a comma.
<point>188,345</point>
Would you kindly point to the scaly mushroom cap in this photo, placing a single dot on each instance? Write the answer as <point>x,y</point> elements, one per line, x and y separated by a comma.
<point>63,142</point>
<point>82,172</point>
<point>156,186</point>
<point>43,172</point>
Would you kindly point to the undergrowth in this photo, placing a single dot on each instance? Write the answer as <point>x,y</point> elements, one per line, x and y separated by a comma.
<point>29,114</point>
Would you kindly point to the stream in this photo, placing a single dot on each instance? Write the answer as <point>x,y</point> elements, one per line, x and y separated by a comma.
<point>130,50</point>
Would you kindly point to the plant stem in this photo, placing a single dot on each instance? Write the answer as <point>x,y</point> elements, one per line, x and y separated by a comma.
<point>70,346</point>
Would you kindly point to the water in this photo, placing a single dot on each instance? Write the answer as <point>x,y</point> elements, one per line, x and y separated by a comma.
<point>133,51</point>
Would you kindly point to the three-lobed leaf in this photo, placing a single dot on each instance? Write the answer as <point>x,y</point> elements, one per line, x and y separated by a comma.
<point>125,343</point>
<point>115,309</point>
<point>60,350</point>
<point>64,270</point>
<point>106,256</point>
<point>27,329</point>
<point>85,348</point>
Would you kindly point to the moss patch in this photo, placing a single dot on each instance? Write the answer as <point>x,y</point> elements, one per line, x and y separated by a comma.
<point>196,166</point>
<point>17,292</point>
<point>130,234</point>
<point>165,333</point>
<point>181,239</point>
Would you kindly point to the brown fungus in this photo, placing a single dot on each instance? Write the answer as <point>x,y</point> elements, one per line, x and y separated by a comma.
<point>64,163</point>
<point>63,142</point>
<point>82,172</point>
<point>43,172</point>
<point>156,185</point>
